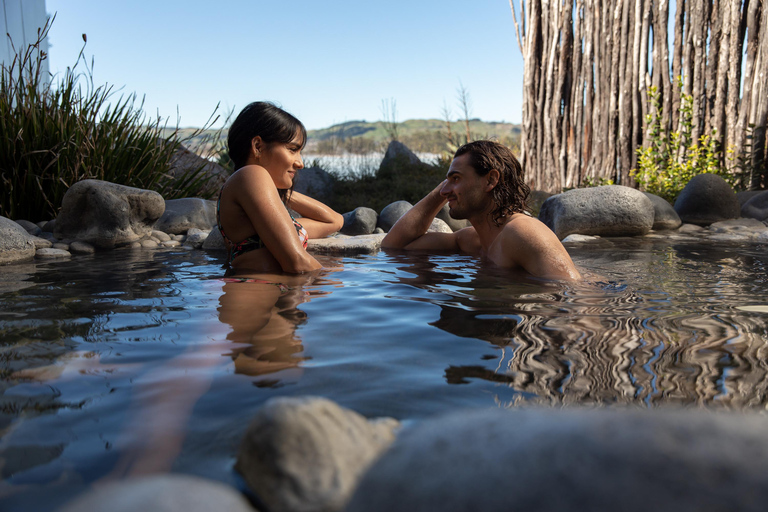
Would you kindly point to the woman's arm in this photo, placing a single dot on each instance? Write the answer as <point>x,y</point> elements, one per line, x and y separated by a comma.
<point>255,192</point>
<point>318,219</point>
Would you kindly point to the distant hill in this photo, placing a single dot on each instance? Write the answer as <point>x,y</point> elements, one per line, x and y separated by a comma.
<point>421,135</point>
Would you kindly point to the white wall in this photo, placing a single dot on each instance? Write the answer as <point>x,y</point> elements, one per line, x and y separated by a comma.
<point>21,19</point>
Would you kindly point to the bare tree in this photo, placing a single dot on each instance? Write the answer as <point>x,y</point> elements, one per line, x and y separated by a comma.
<point>389,115</point>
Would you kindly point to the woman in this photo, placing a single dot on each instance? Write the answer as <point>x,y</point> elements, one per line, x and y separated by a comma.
<point>265,144</point>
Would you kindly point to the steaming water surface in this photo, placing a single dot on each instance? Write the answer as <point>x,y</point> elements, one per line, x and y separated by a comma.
<point>134,362</point>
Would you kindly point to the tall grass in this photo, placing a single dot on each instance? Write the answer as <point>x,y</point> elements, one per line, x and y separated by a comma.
<point>54,134</point>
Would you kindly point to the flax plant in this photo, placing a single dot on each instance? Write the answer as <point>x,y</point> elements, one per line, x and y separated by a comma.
<point>58,132</point>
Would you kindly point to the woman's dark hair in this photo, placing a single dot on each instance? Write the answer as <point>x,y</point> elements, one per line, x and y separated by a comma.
<point>265,120</point>
<point>510,194</point>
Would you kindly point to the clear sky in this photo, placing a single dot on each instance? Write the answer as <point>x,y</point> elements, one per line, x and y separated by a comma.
<point>326,61</point>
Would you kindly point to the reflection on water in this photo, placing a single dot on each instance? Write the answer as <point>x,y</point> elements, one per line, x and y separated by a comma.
<point>667,330</point>
<point>141,362</point>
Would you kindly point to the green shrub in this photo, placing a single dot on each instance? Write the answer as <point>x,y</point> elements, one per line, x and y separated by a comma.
<point>672,159</point>
<point>55,134</point>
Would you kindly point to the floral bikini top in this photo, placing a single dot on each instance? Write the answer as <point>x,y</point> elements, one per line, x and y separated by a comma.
<point>253,242</point>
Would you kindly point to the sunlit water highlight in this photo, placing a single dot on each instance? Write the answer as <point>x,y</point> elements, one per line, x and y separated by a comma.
<point>134,362</point>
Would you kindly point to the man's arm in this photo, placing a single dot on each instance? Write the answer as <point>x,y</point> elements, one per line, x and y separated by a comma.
<point>410,231</point>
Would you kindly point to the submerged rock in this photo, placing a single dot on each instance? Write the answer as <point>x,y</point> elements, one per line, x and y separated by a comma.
<point>15,242</point>
<point>181,215</point>
<point>160,493</point>
<point>707,198</point>
<point>360,244</point>
<point>306,454</point>
<point>106,214</point>
<point>611,210</point>
<point>572,459</point>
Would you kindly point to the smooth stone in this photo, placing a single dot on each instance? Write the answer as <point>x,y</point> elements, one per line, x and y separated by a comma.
<point>746,195</point>
<point>107,214</point>
<point>41,243</point>
<point>611,210</point>
<point>160,236</point>
<point>547,460</point>
<point>762,237</point>
<point>135,245</point>
<point>306,454</point>
<point>79,247</point>
<point>214,241</point>
<point>455,224</point>
<point>15,242</point>
<point>170,243</point>
<point>579,238</point>
<point>392,213</point>
<point>30,227</point>
<point>148,244</point>
<point>196,237</point>
<point>49,236</point>
<point>360,221</point>
<point>378,231</point>
<point>181,215</point>
<point>49,226</point>
<point>756,207</point>
<point>690,228</point>
<point>439,226</point>
<point>52,254</point>
<point>153,239</point>
<point>361,244</point>
<point>731,237</point>
<point>664,215</point>
<point>707,198</point>
<point>178,238</point>
<point>62,246</point>
<point>42,224</point>
<point>160,493</point>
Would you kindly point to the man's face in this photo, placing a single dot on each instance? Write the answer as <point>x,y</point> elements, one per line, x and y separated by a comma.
<point>465,189</point>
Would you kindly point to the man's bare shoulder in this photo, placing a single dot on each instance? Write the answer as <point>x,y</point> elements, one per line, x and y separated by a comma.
<point>524,227</point>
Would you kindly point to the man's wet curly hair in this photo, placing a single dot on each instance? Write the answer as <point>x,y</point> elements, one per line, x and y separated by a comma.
<point>510,194</point>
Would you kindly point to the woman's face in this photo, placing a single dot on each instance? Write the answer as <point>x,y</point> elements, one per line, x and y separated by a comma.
<point>282,160</point>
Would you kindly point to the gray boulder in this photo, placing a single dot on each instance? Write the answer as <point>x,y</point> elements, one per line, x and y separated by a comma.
<point>214,241</point>
<point>30,227</point>
<point>183,214</point>
<point>196,237</point>
<point>15,242</point>
<point>391,213</point>
<point>439,226</point>
<point>185,161</point>
<point>664,216</point>
<point>746,195</point>
<point>573,459</point>
<point>756,207</point>
<point>314,182</point>
<point>360,221</point>
<point>306,454</point>
<point>707,198</point>
<point>106,214</point>
<point>396,153</point>
<point>611,210</point>
<point>160,493</point>
<point>455,224</point>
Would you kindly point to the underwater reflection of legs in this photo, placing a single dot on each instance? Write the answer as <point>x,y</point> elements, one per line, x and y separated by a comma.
<point>259,318</point>
<point>262,313</point>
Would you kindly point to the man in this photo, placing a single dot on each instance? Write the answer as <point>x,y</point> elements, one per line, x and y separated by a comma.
<point>484,185</point>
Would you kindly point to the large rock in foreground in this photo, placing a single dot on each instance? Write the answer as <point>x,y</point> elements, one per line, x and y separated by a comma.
<point>707,198</point>
<point>573,459</point>
<point>360,221</point>
<point>307,454</point>
<point>15,243</point>
<point>392,213</point>
<point>160,493</point>
<point>106,214</point>
<point>612,210</point>
<point>181,215</point>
